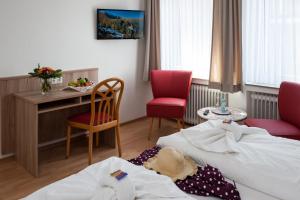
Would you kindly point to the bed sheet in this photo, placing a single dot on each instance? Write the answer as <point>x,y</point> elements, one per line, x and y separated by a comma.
<point>266,164</point>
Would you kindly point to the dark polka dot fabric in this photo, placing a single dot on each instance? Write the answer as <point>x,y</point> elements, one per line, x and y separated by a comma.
<point>143,157</point>
<point>208,181</point>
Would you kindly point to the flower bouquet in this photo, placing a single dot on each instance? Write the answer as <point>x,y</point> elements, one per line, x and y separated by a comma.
<point>45,74</point>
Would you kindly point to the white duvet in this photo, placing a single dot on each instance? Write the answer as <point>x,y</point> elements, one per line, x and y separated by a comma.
<point>95,182</point>
<point>262,162</point>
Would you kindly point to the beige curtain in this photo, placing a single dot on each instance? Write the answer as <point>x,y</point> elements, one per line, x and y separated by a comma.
<point>226,51</point>
<point>152,34</point>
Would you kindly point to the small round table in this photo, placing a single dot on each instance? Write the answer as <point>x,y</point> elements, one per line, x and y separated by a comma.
<point>236,114</point>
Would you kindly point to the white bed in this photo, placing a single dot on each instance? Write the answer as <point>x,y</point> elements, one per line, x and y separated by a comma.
<point>88,185</point>
<point>266,168</point>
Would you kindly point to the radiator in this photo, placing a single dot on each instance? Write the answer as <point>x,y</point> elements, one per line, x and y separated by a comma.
<point>262,105</point>
<point>200,96</point>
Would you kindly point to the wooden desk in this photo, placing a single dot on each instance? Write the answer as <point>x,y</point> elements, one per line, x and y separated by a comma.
<point>43,118</point>
<point>24,83</point>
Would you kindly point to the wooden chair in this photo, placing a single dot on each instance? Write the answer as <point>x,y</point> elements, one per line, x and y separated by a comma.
<point>104,114</point>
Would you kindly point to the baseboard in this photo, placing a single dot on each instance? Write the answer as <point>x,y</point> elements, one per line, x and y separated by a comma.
<point>133,120</point>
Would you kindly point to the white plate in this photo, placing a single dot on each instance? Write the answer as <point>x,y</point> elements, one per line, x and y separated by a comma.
<point>80,89</point>
<point>218,111</point>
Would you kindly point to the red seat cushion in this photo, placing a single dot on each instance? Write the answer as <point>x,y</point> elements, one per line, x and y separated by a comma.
<point>85,118</point>
<point>166,108</point>
<point>276,127</point>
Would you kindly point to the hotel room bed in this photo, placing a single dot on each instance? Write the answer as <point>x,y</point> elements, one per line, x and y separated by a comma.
<point>265,168</point>
<point>86,185</point>
<point>95,183</point>
<point>148,185</point>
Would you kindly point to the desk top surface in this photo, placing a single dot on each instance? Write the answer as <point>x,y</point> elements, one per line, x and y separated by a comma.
<point>35,97</point>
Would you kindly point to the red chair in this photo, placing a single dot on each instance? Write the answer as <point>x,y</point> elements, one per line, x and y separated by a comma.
<point>170,91</point>
<point>289,111</point>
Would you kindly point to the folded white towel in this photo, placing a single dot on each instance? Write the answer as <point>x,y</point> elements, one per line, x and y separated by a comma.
<point>213,140</point>
<point>106,192</point>
<point>219,137</point>
<point>122,189</point>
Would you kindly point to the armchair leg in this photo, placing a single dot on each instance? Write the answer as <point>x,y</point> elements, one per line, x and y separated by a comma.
<point>150,129</point>
<point>90,147</point>
<point>69,129</point>
<point>183,124</point>
<point>179,125</point>
<point>117,135</point>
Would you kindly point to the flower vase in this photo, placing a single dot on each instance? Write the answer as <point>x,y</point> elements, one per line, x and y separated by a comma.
<point>45,86</point>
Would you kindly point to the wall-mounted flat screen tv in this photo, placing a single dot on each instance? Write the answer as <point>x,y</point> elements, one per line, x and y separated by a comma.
<point>120,24</point>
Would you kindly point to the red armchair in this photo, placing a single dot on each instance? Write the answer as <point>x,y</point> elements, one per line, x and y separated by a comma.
<point>170,91</point>
<point>289,111</point>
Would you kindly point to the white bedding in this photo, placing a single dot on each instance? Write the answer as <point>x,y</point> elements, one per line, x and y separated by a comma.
<point>270,165</point>
<point>94,182</point>
<point>219,137</point>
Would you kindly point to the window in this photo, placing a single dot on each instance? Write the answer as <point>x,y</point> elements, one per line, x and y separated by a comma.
<point>271,41</point>
<point>186,28</point>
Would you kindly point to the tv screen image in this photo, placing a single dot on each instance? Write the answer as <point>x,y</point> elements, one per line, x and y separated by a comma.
<point>120,24</point>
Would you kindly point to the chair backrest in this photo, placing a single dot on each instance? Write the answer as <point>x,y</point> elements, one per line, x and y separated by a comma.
<point>289,102</point>
<point>171,83</point>
<point>105,101</point>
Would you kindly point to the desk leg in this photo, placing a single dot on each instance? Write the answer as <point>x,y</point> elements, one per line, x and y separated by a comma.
<point>27,135</point>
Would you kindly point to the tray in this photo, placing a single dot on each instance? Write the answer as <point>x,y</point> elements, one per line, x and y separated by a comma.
<point>218,111</point>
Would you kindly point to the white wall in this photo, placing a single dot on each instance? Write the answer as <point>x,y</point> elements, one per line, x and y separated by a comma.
<point>62,33</point>
<point>238,100</point>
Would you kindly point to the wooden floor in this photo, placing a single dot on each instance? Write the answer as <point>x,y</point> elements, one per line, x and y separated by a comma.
<point>16,183</point>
